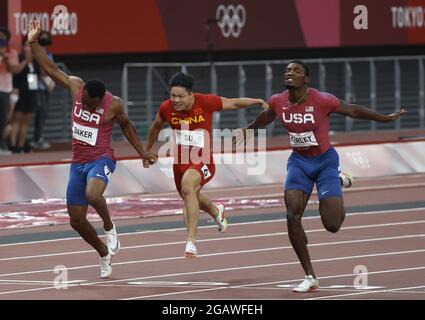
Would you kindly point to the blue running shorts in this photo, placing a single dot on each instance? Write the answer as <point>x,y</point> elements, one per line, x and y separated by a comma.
<point>303,172</point>
<point>80,173</point>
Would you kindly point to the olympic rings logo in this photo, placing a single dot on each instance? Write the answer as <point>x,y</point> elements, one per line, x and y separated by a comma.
<point>231,20</point>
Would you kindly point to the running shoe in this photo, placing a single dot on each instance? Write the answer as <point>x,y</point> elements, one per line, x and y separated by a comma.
<point>308,285</point>
<point>105,266</point>
<point>112,240</point>
<point>190,251</point>
<point>221,219</point>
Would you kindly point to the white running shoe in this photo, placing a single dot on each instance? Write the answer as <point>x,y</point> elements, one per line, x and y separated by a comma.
<point>221,219</point>
<point>308,285</point>
<point>112,240</point>
<point>190,251</point>
<point>345,179</point>
<point>105,266</point>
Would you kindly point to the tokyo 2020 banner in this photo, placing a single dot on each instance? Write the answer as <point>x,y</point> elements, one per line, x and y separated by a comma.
<point>126,26</point>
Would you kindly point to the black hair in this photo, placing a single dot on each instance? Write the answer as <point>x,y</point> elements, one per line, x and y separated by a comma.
<point>181,79</point>
<point>95,88</point>
<point>306,68</point>
<point>6,32</point>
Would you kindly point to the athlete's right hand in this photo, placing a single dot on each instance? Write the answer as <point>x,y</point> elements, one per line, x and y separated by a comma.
<point>149,159</point>
<point>34,30</point>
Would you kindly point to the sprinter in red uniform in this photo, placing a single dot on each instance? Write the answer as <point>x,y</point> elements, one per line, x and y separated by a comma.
<point>190,116</point>
<point>94,112</point>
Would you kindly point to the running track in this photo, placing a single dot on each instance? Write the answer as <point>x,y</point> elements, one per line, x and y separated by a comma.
<point>384,232</point>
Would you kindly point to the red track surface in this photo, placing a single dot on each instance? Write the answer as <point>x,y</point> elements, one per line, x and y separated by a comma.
<point>254,260</point>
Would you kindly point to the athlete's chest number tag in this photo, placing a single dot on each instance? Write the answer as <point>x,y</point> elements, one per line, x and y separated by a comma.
<point>84,134</point>
<point>190,138</point>
<point>304,139</point>
<point>206,171</point>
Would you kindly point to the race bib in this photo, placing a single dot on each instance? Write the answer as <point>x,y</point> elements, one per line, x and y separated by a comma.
<point>84,133</point>
<point>32,80</point>
<point>190,138</point>
<point>304,139</point>
<point>206,172</point>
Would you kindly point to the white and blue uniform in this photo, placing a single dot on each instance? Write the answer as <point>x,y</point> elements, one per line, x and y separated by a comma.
<point>92,155</point>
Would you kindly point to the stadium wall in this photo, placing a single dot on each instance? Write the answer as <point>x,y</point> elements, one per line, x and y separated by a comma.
<point>27,183</point>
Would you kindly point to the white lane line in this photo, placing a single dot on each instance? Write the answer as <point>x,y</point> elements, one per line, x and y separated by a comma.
<point>226,270</point>
<point>337,286</point>
<point>332,277</point>
<point>253,285</point>
<point>239,268</point>
<point>214,239</point>
<point>238,238</point>
<point>214,226</point>
<point>366,292</point>
<point>37,282</point>
<point>175,283</point>
<point>173,293</point>
<point>263,266</point>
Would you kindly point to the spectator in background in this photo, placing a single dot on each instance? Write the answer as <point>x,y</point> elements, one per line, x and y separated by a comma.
<point>46,86</point>
<point>8,64</point>
<point>30,98</point>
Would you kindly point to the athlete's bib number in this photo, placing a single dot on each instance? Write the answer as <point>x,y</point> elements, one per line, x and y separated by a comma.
<point>206,172</point>
<point>84,134</point>
<point>190,138</point>
<point>32,80</point>
<point>304,139</point>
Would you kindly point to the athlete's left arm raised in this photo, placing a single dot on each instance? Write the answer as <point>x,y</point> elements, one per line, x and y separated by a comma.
<point>360,112</point>
<point>239,103</point>
<point>129,130</point>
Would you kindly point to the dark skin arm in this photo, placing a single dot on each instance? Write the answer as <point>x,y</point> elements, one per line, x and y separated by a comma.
<point>71,83</point>
<point>266,117</point>
<point>153,134</point>
<point>117,113</point>
<point>263,119</point>
<point>351,110</point>
<point>356,111</point>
